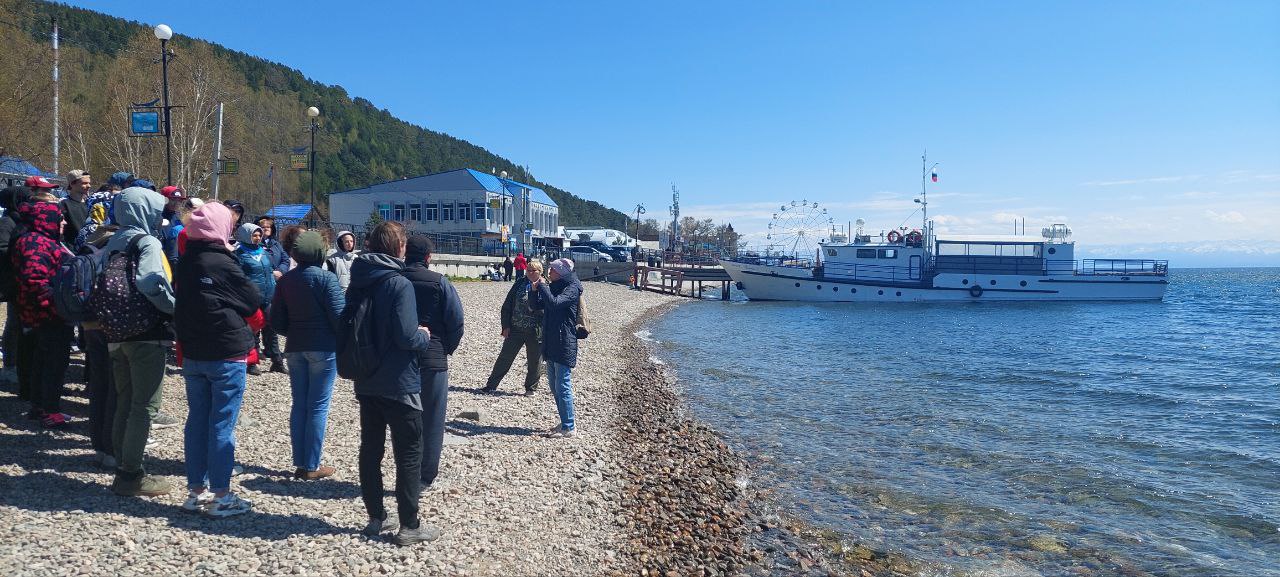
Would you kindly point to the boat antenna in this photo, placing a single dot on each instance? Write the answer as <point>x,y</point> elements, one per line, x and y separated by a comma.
<point>923,201</point>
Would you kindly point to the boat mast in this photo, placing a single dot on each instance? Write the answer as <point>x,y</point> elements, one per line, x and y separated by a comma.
<point>924,192</point>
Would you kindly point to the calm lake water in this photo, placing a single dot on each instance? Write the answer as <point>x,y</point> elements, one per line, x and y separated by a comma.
<point>1005,439</point>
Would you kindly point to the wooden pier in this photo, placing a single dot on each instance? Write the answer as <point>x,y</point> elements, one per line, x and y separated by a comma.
<point>676,279</point>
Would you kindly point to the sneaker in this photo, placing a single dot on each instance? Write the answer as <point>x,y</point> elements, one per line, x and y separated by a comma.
<point>569,433</point>
<point>422,534</point>
<point>152,442</point>
<point>377,527</point>
<point>277,366</point>
<point>253,370</point>
<point>555,431</point>
<point>228,505</point>
<point>237,470</point>
<point>144,486</point>
<point>426,488</point>
<point>320,473</point>
<point>54,421</point>
<point>164,421</point>
<point>198,502</point>
<point>488,390</point>
<point>528,392</point>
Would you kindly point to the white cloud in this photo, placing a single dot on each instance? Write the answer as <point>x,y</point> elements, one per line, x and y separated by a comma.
<point>1230,217</point>
<point>1150,180</point>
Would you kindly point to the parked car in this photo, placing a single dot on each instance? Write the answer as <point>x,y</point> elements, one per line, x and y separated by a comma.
<point>617,253</point>
<point>586,254</point>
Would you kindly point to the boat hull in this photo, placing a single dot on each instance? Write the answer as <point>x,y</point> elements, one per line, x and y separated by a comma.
<point>780,283</point>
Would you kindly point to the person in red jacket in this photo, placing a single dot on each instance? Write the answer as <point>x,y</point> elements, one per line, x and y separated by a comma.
<point>520,263</point>
<point>46,337</point>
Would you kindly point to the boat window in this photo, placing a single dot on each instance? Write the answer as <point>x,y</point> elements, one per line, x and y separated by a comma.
<point>831,252</point>
<point>888,253</point>
<point>866,253</point>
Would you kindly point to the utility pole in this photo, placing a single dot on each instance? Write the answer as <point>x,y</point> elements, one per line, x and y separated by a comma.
<point>55,97</point>
<point>675,216</point>
<point>217,153</point>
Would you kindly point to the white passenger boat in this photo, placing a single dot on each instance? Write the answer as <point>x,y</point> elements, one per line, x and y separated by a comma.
<point>916,266</point>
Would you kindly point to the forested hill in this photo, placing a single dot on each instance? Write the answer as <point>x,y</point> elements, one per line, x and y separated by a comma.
<point>108,63</point>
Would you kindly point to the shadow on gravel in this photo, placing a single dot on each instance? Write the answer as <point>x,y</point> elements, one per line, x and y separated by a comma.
<point>323,489</point>
<point>472,429</point>
<point>50,492</point>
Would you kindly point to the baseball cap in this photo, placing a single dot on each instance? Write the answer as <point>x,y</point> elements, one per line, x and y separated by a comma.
<point>171,192</point>
<point>40,182</point>
<point>76,175</point>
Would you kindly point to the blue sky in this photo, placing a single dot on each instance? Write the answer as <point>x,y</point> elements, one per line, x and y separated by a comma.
<point>1135,122</point>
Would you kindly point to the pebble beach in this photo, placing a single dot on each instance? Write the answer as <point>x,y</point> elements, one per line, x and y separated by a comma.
<point>643,490</point>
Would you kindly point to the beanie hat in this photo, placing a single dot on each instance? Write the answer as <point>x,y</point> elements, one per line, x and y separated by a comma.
<point>562,266</point>
<point>309,247</point>
<point>119,179</point>
<point>417,249</point>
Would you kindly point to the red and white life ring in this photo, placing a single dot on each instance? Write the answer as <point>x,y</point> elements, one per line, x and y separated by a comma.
<point>894,236</point>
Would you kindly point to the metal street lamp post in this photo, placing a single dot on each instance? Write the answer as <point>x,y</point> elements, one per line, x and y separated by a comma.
<point>502,187</point>
<point>164,33</point>
<point>312,113</point>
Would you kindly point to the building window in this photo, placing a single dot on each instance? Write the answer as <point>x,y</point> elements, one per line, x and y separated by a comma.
<point>384,210</point>
<point>480,211</point>
<point>447,213</point>
<point>398,213</point>
<point>433,213</point>
<point>464,211</point>
<point>415,212</point>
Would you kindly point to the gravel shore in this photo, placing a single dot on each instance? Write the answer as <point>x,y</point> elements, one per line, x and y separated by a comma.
<point>643,490</point>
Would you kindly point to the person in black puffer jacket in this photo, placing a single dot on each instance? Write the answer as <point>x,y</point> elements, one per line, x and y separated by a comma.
<point>440,311</point>
<point>213,298</point>
<point>391,396</point>
<point>10,229</point>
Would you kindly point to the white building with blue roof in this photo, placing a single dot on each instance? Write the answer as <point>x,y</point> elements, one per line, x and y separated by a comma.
<point>460,202</point>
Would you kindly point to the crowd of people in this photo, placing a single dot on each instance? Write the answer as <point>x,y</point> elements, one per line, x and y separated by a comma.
<point>140,278</point>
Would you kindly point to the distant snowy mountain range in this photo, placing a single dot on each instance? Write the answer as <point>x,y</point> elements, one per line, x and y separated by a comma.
<point>1198,254</point>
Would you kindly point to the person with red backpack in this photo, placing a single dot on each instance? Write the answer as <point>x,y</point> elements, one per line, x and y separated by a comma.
<point>47,337</point>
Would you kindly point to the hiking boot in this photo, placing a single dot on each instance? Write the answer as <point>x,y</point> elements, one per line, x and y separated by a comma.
<point>228,505</point>
<point>105,461</point>
<point>253,370</point>
<point>377,527</point>
<point>277,366</point>
<point>320,473</point>
<point>422,534</point>
<point>489,389</point>
<point>198,502</point>
<point>143,486</point>
<point>164,421</point>
<point>528,392</point>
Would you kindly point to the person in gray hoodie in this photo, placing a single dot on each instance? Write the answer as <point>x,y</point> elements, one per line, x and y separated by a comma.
<point>340,262</point>
<point>138,362</point>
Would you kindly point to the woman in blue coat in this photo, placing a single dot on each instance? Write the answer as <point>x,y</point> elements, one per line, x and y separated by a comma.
<point>257,266</point>
<point>559,298</point>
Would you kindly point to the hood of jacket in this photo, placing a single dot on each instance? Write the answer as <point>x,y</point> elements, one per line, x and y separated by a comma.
<point>139,209</point>
<point>42,217</point>
<point>212,222</point>
<point>244,235</point>
<point>13,197</point>
<point>338,243</point>
<point>372,268</point>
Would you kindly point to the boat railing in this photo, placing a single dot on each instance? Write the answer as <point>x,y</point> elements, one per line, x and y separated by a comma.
<point>871,272</point>
<point>1123,266</point>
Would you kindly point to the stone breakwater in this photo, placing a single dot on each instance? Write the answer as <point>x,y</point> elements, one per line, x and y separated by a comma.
<point>644,490</point>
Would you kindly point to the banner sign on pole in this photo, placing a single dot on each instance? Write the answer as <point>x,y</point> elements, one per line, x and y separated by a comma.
<point>228,166</point>
<point>144,122</point>
<point>495,203</point>
<point>299,160</point>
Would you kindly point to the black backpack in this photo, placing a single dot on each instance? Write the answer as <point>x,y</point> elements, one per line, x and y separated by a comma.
<point>72,285</point>
<point>357,350</point>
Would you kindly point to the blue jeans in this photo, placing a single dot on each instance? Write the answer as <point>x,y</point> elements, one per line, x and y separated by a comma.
<point>311,375</point>
<point>558,376</point>
<point>214,392</point>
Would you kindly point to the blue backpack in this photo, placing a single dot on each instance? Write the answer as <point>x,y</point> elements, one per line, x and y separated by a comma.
<point>72,285</point>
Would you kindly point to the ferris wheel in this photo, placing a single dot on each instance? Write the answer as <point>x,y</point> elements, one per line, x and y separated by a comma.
<point>797,228</point>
